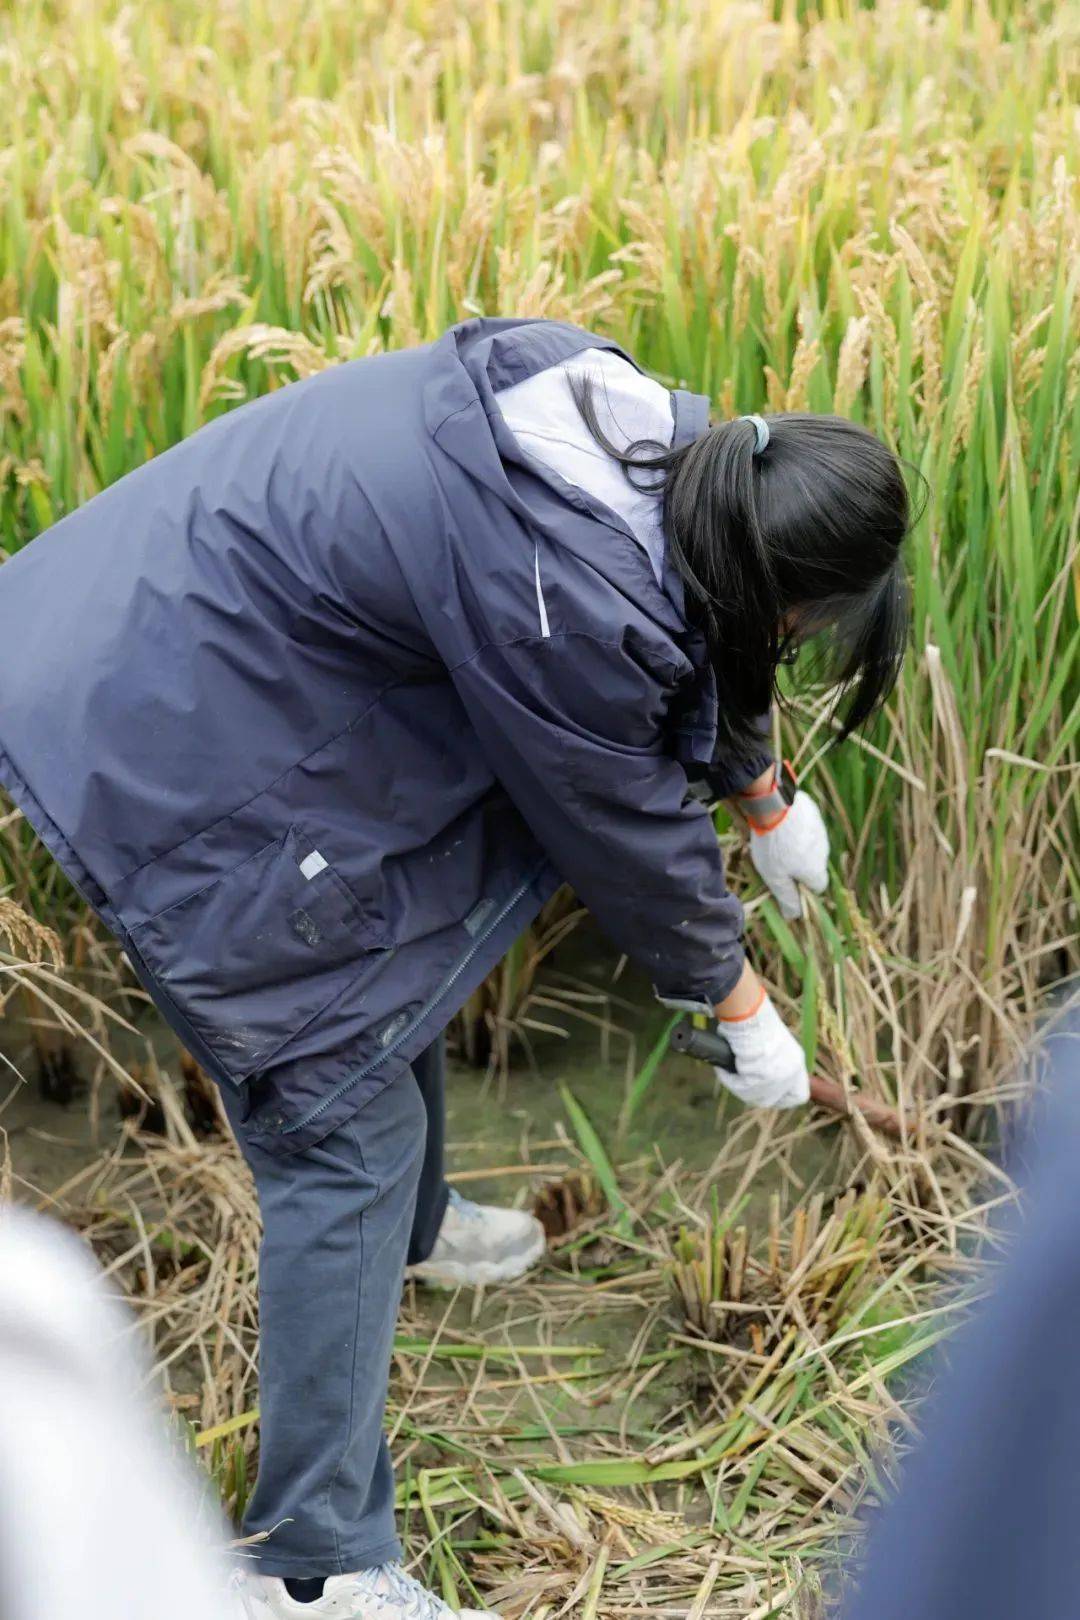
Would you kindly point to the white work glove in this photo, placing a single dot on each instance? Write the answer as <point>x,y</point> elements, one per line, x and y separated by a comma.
<point>771,1063</point>
<point>796,851</point>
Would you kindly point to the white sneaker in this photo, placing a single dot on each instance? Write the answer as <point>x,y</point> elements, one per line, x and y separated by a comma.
<point>478,1243</point>
<point>386,1593</point>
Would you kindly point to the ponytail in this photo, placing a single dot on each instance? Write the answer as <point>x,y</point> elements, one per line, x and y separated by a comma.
<point>780,530</point>
<point>720,550</point>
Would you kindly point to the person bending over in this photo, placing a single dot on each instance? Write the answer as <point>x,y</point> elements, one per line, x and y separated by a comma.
<point>320,706</point>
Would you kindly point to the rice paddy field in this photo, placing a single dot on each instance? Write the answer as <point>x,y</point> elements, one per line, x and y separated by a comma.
<point>867,209</point>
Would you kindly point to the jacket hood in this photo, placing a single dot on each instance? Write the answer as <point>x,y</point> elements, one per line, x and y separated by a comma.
<point>489,355</point>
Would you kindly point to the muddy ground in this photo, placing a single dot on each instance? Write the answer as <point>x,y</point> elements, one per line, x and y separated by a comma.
<point>505,1133</point>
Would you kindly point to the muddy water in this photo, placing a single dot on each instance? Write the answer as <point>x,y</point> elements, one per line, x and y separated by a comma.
<point>48,1142</point>
<point>506,1137</point>
<point>685,1116</point>
<point>504,1134</point>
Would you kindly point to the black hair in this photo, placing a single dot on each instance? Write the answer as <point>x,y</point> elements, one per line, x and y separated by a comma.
<point>780,545</point>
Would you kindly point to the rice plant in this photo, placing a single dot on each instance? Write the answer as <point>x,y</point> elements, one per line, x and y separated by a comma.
<point>786,204</point>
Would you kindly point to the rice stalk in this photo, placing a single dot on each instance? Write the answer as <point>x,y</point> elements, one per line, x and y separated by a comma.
<point>872,211</point>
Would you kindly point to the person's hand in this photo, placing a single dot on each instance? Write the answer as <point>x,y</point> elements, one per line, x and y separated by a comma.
<point>795,851</point>
<point>770,1063</point>
<point>788,841</point>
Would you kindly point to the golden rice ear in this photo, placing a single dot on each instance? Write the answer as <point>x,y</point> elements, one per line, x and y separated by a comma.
<point>753,208</point>
<point>28,938</point>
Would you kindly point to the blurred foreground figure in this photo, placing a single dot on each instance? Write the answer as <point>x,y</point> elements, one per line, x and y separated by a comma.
<point>98,1521</point>
<point>985,1524</point>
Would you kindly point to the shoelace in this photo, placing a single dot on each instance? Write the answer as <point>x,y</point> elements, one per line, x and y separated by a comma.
<point>390,1585</point>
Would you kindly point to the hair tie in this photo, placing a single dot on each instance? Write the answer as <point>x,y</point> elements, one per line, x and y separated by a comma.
<point>761,428</point>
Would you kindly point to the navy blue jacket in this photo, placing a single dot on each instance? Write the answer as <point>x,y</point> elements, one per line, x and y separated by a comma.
<point>318,708</point>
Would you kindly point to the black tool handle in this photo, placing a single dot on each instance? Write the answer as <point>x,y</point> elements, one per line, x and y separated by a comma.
<point>707,1044</point>
<point>711,1047</point>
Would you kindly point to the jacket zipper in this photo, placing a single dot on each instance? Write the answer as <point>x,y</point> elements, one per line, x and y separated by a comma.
<point>432,1001</point>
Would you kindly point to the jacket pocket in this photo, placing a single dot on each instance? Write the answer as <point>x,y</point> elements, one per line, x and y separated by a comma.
<point>254,956</point>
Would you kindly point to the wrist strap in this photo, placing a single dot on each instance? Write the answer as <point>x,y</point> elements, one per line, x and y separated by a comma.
<point>766,808</point>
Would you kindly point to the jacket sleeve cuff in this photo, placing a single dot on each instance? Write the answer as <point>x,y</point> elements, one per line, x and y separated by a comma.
<point>704,998</point>
<point>724,777</point>
<point>729,772</point>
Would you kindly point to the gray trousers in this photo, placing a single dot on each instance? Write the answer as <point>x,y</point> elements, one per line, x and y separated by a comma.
<point>339,1222</point>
